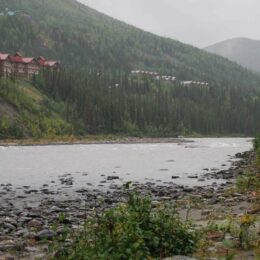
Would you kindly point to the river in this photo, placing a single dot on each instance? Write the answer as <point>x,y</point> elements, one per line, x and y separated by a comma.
<point>90,165</point>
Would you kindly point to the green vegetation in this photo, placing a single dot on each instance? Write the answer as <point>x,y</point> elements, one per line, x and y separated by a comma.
<point>257,148</point>
<point>26,112</point>
<point>134,230</point>
<point>228,237</point>
<point>250,180</point>
<point>120,103</point>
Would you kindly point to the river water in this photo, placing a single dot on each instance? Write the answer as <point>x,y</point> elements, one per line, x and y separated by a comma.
<point>90,165</point>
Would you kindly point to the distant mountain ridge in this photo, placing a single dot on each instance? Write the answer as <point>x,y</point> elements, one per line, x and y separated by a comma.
<point>244,51</point>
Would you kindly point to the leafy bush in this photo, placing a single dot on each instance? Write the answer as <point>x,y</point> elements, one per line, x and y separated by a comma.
<point>247,182</point>
<point>134,230</point>
<point>10,129</point>
<point>257,148</point>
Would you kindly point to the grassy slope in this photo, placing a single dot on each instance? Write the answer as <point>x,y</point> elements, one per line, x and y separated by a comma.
<point>26,112</point>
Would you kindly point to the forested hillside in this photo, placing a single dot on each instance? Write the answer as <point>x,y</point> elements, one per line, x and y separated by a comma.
<point>98,93</point>
<point>134,104</point>
<point>79,36</point>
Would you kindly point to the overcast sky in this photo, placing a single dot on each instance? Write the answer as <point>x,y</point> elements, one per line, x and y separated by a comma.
<point>198,22</point>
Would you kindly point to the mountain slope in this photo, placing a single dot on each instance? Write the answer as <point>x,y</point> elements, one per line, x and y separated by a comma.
<point>96,93</point>
<point>244,51</point>
<point>79,36</point>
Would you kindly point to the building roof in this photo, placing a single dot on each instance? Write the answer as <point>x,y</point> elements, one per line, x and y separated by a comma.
<point>41,60</point>
<point>51,63</point>
<point>3,56</point>
<point>19,59</point>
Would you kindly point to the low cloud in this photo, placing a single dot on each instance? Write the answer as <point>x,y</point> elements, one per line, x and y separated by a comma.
<point>198,22</point>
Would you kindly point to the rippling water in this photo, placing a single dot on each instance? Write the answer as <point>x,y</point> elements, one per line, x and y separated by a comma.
<point>38,165</point>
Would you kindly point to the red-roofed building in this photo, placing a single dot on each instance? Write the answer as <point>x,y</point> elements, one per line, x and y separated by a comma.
<point>23,66</point>
<point>19,66</point>
<point>46,63</point>
<point>5,65</point>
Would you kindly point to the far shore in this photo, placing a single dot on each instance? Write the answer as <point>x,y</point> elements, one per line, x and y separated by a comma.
<point>103,139</point>
<point>93,140</point>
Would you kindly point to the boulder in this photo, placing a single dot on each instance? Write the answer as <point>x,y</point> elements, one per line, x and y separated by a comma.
<point>34,223</point>
<point>45,234</point>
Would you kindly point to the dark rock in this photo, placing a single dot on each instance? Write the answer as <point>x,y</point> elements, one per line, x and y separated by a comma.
<point>110,178</point>
<point>34,215</point>
<point>193,177</point>
<point>9,226</point>
<point>82,191</point>
<point>21,197</point>
<point>33,191</point>
<point>45,234</point>
<point>34,223</point>
<point>188,189</point>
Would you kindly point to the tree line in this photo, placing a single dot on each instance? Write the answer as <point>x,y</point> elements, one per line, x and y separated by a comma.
<point>117,102</point>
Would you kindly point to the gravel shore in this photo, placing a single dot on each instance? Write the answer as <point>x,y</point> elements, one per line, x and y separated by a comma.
<point>27,214</point>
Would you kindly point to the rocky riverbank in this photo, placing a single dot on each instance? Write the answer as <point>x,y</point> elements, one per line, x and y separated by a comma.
<point>28,216</point>
<point>92,140</point>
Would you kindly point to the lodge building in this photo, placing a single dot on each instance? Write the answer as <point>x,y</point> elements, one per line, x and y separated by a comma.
<point>23,67</point>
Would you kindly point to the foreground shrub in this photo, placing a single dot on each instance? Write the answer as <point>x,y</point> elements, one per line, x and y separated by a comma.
<point>134,230</point>
<point>257,148</point>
